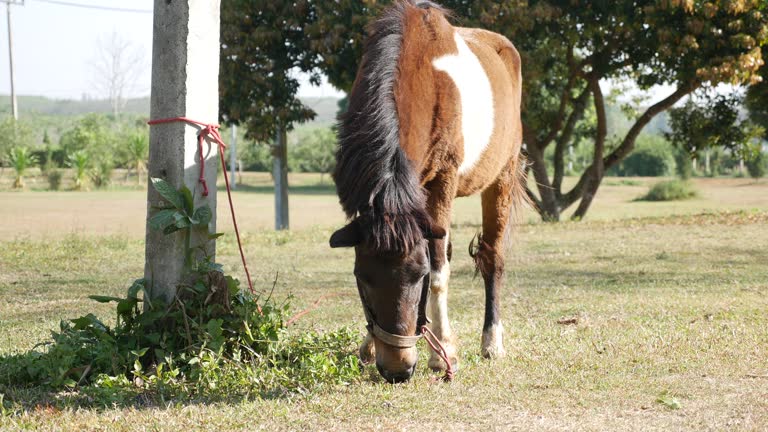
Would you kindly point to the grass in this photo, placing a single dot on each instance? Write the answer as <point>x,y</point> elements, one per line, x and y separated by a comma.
<point>662,318</point>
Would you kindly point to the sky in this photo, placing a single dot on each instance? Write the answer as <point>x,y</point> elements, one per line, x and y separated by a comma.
<point>56,45</point>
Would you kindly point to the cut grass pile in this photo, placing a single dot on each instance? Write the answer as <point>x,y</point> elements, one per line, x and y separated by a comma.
<point>671,190</point>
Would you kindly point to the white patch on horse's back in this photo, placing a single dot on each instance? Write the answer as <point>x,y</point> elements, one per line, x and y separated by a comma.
<point>477,113</point>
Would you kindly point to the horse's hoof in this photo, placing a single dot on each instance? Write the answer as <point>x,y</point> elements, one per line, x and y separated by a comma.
<point>493,342</point>
<point>367,352</point>
<point>437,364</point>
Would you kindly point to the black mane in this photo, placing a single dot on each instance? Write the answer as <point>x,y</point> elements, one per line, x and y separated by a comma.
<point>373,176</point>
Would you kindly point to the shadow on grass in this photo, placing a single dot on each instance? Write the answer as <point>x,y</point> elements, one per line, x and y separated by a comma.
<point>314,189</point>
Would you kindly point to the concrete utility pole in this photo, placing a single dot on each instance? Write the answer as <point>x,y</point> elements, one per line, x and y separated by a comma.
<point>280,174</point>
<point>14,103</point>
<point>233,158</point>
<point>185,70</point>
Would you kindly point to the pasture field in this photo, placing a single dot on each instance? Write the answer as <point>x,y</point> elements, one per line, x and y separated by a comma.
<point>646,316</point>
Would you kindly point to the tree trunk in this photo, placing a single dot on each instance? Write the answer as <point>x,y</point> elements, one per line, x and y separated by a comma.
<point>280,174</point>
<point>548,206</point>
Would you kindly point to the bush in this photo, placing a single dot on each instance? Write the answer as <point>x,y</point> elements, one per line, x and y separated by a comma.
<point>54,179</point>
<point>756,165</point>
<point>652,157</point>
<point>683,165</point>
<point>102,174</point>
<point>672,190</point>
<point>20,159</point>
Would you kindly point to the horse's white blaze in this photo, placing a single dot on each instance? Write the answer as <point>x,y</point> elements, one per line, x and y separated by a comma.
<point>493,341</point>
<point>477,114</point>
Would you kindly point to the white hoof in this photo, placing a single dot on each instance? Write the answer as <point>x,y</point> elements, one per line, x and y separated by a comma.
<point>493,342</point>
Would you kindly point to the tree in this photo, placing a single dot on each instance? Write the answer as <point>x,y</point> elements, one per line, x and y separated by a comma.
<point>710,120</point>
<point>315,152</point>
<point>263,46</point>
<point>93,134</point>
<point>757,101</point>
<point>118,65</point>
<point>570,50</point>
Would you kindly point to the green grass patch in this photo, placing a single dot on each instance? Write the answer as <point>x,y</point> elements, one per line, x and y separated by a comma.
<point>671,190</point>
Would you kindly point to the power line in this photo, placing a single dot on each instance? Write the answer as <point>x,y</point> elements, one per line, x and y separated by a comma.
<point>87,6</point>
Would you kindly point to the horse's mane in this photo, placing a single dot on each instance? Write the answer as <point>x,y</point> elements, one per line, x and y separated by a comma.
<point>373,176</point>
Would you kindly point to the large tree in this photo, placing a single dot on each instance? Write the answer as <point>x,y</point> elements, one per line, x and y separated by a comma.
<point>571,49</point>
<point>757,101</point>
<point>263,48</point>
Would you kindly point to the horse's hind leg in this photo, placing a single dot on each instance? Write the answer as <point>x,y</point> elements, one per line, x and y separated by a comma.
<point>498,202</point>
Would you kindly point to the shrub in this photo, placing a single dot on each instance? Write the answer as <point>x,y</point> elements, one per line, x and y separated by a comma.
<point>54,179</point>
<point>21,159</point>
<point>79,161</point>
<point>683,165</point>
<point>653,157</point>
<point>102,174</point>
<point>756,165</point>
<point>672,190</point>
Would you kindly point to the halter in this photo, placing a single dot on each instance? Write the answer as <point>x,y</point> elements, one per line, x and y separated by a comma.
<point>391,339</point>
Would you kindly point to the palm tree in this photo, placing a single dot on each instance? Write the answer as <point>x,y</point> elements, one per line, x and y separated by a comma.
<point>79,161</point>
<point>20,159</point>
<point>138,153</point>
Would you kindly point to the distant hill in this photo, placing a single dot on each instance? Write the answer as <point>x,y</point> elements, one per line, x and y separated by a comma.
<point>325,108</point>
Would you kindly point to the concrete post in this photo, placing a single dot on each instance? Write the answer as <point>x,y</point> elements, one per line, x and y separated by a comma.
<point>233,158</point>
<point>185,70</point>
<point>280,174</point>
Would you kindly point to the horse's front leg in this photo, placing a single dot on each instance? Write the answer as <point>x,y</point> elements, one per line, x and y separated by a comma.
<point>441,194</point>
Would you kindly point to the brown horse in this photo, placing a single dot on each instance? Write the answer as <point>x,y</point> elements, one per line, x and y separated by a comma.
<point>434,114</point>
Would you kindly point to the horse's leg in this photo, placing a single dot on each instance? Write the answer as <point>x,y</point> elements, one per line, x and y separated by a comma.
<point>367,350</point>
<point>498,203</point>
<point>441,194</point>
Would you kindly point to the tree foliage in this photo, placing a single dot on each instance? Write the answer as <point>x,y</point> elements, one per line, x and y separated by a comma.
<point>713,121</point>
<point>263,47</point>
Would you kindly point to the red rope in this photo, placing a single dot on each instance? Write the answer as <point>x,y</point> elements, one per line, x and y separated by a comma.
<point>439,349</point>
<point>212,131</point>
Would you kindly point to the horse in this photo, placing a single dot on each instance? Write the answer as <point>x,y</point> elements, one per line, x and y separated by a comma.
<point>433,114</point>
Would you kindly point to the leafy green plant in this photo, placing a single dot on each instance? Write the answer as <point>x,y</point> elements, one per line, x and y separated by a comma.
<point>672,190</point>
<point>21,160</point>
<point>137,149</point>
<point>79,161</point>
<point>213,340</point>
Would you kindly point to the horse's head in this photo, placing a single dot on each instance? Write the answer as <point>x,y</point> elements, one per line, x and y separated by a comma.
<point>393,287</point>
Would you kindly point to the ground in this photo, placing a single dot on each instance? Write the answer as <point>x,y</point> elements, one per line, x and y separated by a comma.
<point>610,322</point>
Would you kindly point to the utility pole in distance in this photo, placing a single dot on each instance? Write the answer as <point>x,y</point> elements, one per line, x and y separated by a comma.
<point>14,104</point>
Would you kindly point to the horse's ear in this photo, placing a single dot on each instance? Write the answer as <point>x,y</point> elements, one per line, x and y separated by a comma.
<point>434,232</point>
<point>349,236</point>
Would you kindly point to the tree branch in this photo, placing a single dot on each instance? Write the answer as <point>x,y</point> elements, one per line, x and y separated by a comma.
<point>628,144</point>
<point>594,174</point>
<point>565,137</point>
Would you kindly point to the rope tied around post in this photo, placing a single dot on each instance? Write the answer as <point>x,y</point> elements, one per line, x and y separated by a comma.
<point>211,131</point>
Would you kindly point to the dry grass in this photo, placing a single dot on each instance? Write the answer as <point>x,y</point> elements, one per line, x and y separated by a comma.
<point>662,305</point>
